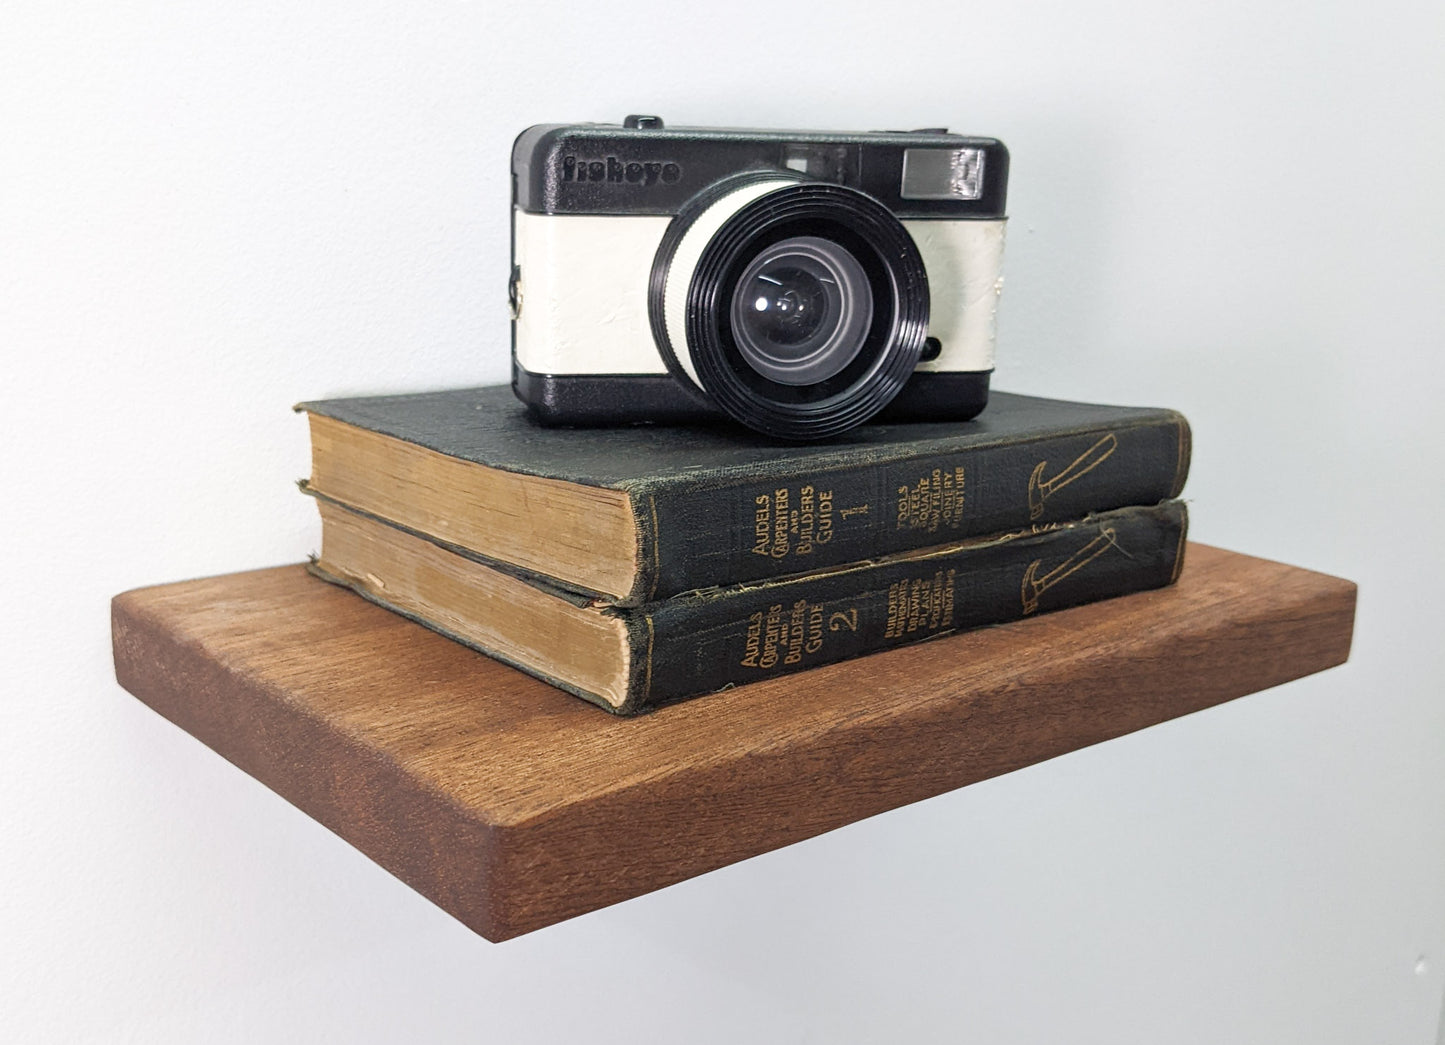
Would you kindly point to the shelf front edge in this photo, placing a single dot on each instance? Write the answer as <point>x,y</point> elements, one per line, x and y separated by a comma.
<point>695,786</point>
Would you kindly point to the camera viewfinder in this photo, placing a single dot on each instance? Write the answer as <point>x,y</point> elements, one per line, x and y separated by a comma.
<point>824,162</point>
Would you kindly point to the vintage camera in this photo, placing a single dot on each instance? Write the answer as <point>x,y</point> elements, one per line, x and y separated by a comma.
<point>800,282</point>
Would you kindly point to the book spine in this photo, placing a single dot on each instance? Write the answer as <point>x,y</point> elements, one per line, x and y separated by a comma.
<point>698,535</point>
<point>711,640</point>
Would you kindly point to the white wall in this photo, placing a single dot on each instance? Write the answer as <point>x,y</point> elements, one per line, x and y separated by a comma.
<point>210,211</point>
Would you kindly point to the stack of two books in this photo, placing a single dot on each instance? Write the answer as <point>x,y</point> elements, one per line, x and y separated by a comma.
<point>639,566</point>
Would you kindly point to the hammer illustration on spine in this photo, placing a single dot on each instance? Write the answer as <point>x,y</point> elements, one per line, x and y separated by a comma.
<point>1040,489</point>
<point>1033,585</point>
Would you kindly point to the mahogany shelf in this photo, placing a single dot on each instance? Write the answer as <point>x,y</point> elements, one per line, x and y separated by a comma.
<point>513,805</point>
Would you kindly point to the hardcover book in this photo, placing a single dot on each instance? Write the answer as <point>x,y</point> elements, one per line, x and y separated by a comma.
<point>641,513</point>
<point>629,660</point>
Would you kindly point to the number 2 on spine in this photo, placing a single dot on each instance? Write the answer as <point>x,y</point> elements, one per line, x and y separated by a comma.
<point>847,620</point>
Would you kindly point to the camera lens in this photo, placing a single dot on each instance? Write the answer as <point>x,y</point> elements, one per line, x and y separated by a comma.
<point>801,310</point>
<point>797,307</point>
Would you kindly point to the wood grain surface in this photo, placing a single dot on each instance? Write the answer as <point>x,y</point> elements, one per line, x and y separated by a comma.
<point>513,805</point>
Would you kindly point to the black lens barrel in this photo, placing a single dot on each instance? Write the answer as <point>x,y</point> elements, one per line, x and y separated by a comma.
<point>863,229</point>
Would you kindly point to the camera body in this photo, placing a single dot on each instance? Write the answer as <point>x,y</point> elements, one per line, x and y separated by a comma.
<point>798,281</point>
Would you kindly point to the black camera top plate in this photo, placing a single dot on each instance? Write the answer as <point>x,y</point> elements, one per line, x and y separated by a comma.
<point>646,168</point>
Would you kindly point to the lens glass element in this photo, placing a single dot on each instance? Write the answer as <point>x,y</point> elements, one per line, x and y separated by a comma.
<point>801,310</point>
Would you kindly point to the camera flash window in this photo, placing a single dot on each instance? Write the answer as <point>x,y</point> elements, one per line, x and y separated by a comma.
<point>942,174</point>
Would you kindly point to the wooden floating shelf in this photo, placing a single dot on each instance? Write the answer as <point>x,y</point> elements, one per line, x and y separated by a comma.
<point>513,805</point>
